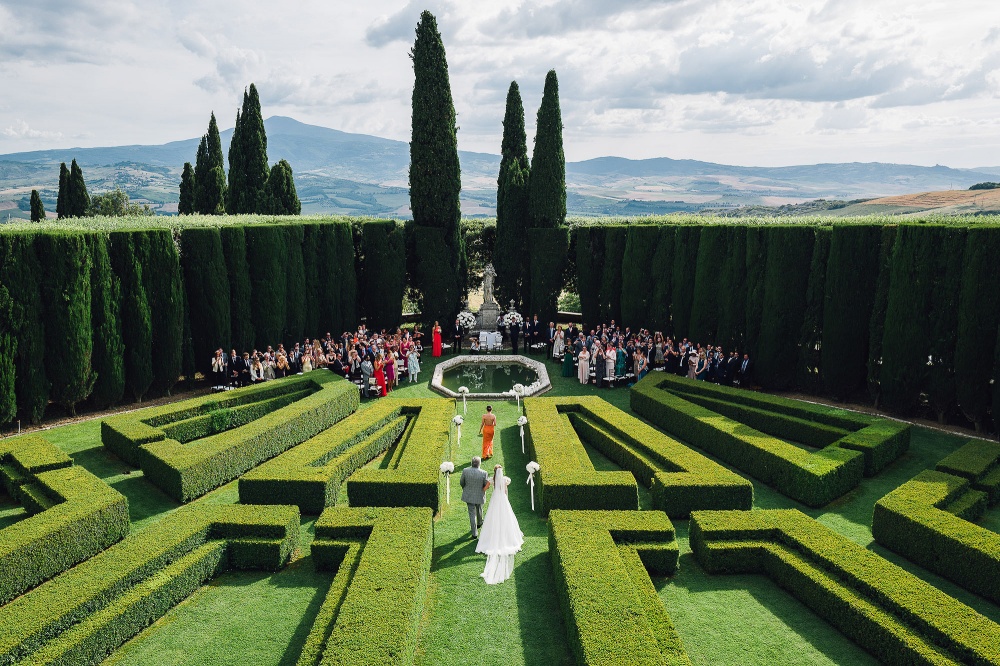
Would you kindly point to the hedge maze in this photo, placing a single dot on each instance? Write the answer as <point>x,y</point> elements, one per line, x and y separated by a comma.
<point>72,514</point>
<point>310,475</point>
<point>600,560</point>
<point>929,519</point>
<point>83,615</point>
<point>191,447</point>
<point>680,479</point>
<point>758,435</point>
<point>894,615</point>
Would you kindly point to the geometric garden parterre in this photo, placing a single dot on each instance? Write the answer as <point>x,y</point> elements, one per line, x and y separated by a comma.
<point>294,445</point>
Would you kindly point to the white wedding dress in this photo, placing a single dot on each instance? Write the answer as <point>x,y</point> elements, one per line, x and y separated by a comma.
<point>501,536</point>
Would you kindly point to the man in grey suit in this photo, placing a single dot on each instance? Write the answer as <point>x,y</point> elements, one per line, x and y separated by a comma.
<point>474,482</point>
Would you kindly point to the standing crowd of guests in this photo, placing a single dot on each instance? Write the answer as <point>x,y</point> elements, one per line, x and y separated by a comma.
<point>377,361</point>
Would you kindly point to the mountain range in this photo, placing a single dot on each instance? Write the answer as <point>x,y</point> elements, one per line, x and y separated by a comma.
<point>355,174</point>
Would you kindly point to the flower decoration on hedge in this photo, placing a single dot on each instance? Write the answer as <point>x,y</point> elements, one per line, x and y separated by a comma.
<point>464,391</point>
<point>532,467</point>
<point>466,319</point>
<point>521,421</point>
<point>447,467</point>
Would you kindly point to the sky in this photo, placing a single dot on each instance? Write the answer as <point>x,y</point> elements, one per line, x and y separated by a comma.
<point>748,82</point>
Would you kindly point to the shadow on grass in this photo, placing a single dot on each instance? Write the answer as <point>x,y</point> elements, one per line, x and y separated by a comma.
<point>540,619</point>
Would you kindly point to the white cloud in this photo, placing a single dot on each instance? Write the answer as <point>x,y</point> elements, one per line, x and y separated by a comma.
<point>20,130</point>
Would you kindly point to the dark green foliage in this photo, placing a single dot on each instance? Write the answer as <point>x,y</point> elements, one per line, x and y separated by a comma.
<point>682,280</point>
<point>513,146</point>
<point>435,178</point>
<point>310,270</point>
<point>789,256</point>
<point>8,350</point>
<point>62,201</point>
<point>638,279</point>
<point>116,204</point>
<point>661,271</point>
<point>589,261</point>
<point>37,208</point>
<point>942,330</point>
<point>106,326</point>
<point>811,337</point>
<point>188,362</point>
<point>78,201</point>
<point>732,300</point>
<point>68,337</point>
<point>978,318</point>
<point>879,305</point>
<point>279,196</point>
<point>510,259</point>
<point>127,252</point>
<point>611,274</point>
<point>206,284</point>
<point>851,279</point>
<point>248,171</point>
<point>547,249</point>
<point>210,173</point>
<point>996,382</point>
<point>298,294</point>
<point>267,250</point>
<point>547,190</point>
<point>185,205</point>
<point>712,250</point>
<point>21,274</point>
<point>161,277</point>
<point>985,186</point>
<point>756,269</point>
<point>234,249</point>
<point>337,277</point>
<point>479,235</point>
<point>384,274</point>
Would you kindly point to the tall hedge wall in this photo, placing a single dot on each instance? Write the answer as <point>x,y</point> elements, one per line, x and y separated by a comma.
<point>547,250</point>
<point>165,294</point>
<point>637,300</point>
<point>383,281</point>
<point>879,305</point>
<point>234,250</point>
<point>712,250</point>
<point>127,251</point>
<point>207,285</point>
<point>811,336</point>
<point>732,291</point>
<point>682,280</point>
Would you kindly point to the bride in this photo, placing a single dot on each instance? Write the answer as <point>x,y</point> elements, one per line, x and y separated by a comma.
<point>501,536</point>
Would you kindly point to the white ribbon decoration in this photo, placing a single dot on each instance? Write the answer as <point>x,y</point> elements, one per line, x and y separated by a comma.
<point>521,421</point>
<point>447,468</point>
<point>532,467</point>
<point>464,390</point>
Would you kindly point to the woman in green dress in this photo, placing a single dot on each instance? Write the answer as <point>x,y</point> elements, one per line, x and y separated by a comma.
<point>568,370</point>
<point>620,361</point>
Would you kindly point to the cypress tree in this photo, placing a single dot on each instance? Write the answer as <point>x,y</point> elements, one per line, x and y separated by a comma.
<point>296,288</point>
<point>851,277</point>
<point>661,270</point>
<point>234,249</point>
<point>547,191</point>
<point>268,248</point>
<point>8,349</point>
<point>188,365</point>
<point>210,173</point>
<point>234,192</point>
<point>248,175</point>
<point>978,319</point>
<point>330,272</point>
<point>127,253</point>
<point>682,281</point>
<point>165,294</point>
<point>383,275</point>
<point>185,205</point>
<point>37,208</point>
<point>206,284</point>
<point>512,219</point>
<point>62,201</point>
<point>106,326</point>
<point>879,305</point>
<point>733,291</point>
<point>21,274</point>
<point>611,274</point>
<point>279,196</point>
<point>547,251</point>
<point>756,265</point>
<point>346,314</point>
<point>589,259</point>
<point>943,328</point>
<point>811,337</point>
<point>79,199</point>
<point>435,178</point>
<point>705,302</point>
<point>68,335</point>
<point>637,277</point>
<point>789,258</point>
<point>310,268</point>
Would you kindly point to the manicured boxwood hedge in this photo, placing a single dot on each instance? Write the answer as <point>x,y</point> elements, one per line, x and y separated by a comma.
<point>612,612</point>
<point>74,514</point>
<point>411,475</point>
<point>371,614</point>
<point>310,475</point>
<point>567,479</point>
<point>891,613</point>
<point>187,471</point>
<point>979,462</point>
<point>918,520</point>
<point>814,479</point>
<point>680,479</point>
<point>83,615</point>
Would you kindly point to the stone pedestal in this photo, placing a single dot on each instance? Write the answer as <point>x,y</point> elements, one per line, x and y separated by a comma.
<point>486,318</point>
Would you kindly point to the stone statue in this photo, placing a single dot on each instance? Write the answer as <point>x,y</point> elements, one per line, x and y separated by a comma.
<point>488,275</point>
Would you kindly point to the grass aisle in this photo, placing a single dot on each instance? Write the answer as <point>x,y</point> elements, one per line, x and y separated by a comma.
<point>467,621</point>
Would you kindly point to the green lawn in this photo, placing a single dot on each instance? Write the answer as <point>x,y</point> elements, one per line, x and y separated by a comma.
<point>261,619</point>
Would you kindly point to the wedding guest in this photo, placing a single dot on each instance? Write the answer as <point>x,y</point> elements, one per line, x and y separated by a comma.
<point>558,343</point>
<point>380,374</point>
<point>256,371</point>
<point>610,358</point>
<point>459,334</point>
<point>390,370</point>
<point>436,338</point>
<point>583,367</point>
<point>244,369</point>
<point>218,368</point>
<point>413,364</point>
<point>701,367</point>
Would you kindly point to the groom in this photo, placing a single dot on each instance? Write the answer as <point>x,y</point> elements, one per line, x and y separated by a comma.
<point>474,482</point>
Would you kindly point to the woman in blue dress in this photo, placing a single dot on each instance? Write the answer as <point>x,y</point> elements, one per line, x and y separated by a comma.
<point>701,369</point>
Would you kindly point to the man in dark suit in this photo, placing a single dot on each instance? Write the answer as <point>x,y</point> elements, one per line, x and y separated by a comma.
<point>536,331</point>
<point>571,333</point>
<point>515,332</point>
<point>338,366</point>
<point>743,374</point>
<point>243,369</point>
<point>551,339</point>
<point>459,334</point>
<point>232,371</point>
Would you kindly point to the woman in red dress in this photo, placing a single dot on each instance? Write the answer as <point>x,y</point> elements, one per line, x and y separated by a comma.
<point>380,374</point>
<point>437,341</point>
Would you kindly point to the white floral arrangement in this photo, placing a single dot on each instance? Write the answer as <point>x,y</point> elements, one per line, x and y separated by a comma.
<point>458,420</point>
<point>466,319</point>
<point>512,318</point>
<point>518,388</point>
<point>447,467</point>
<point>522,420</point>
<point>463,389</point>
<point>532,467</point>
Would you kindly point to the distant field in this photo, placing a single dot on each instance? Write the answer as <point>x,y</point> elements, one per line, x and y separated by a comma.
<point>947,202</point>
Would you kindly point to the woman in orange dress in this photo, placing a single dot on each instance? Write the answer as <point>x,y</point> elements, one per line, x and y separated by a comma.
<point>436,351</point>
<point>486,430</point>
